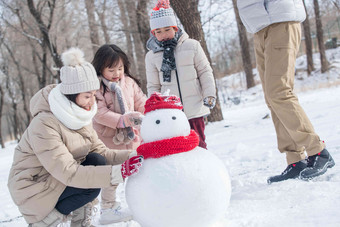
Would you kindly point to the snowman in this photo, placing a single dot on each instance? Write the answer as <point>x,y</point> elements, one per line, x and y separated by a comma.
<point>180,184</point>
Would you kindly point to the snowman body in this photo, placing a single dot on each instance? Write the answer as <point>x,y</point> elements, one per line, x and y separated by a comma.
<point>190,188</point>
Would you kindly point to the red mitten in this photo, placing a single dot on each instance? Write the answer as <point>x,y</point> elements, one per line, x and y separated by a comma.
<point>131,166</point>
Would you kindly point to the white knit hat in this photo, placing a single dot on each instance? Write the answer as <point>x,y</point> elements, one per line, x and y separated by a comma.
<point>77,75</point>
<point>162,15</point>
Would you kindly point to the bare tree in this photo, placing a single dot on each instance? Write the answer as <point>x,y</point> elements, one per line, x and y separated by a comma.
<point>21,84</point>
<point>23,27</point>
<point>137,42</point>
<point>2,140</point>
<point>12,94</point>
<point>308,43</point>
<point>45,28</point>
<point>336,4</point>
<point>247,66</point>
<point>319,33</point>
<point>94,33</point>
<point>129,45</point>
<point>143,21</point>
<point>192,25</point>
<point>102,18</point>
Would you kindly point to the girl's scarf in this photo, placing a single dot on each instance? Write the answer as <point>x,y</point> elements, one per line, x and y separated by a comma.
<point>115,88</point>
<point>170,146</point>
<point>67,112</point>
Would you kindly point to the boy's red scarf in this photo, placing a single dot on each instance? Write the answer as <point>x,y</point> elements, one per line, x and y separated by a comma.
<point>170,146</point>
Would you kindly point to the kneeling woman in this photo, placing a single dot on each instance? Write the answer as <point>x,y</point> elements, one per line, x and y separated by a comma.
<point>60,164</point>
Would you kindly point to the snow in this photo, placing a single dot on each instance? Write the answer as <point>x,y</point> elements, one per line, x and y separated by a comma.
<point>246,144</point>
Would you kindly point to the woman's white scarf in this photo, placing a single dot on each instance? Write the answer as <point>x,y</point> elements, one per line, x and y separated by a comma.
<point>69,113</point>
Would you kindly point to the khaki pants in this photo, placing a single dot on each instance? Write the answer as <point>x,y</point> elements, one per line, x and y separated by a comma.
<point>276,47</point>
<point>108,197</point>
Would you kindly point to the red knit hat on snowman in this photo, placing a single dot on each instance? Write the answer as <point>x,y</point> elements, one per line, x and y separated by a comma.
<point>162,16</point>
<point>174,145</point>
<point>159,101</point>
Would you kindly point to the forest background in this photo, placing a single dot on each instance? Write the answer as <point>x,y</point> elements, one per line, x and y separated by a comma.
<point>33,34</point>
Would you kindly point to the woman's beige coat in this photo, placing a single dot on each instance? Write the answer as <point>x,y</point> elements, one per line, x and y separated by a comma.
<point>194,72</point>
<point>48,157</point>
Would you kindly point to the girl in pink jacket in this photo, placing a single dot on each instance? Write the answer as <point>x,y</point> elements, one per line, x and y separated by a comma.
<point>120,107</point>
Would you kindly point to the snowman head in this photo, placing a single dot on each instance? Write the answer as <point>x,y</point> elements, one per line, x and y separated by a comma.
<point>163,119</point>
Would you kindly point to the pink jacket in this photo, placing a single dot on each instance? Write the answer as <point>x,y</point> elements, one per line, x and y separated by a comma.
<point>108,114</point>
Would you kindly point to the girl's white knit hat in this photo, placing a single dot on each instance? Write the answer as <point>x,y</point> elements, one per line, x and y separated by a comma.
<point>162,15</point>
<point>77,75</point>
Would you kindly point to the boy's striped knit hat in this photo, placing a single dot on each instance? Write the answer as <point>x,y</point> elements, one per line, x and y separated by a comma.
<point>162,15</point>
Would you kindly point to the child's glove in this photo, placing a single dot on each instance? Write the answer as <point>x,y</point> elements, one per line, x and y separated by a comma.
<point>130,119</point>
<point>123,136</point>
<point>131,166</point>
<point>209,102</point>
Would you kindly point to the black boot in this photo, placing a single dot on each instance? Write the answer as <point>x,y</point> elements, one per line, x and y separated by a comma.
<point>292,171</point>
<point>317,165</point>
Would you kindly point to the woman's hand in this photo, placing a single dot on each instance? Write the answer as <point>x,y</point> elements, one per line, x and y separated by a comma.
<point>131,166</point>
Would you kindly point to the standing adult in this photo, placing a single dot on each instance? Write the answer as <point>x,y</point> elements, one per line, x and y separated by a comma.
<point>276,25</point>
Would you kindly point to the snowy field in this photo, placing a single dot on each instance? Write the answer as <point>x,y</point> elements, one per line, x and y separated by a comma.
<point>246,143</point>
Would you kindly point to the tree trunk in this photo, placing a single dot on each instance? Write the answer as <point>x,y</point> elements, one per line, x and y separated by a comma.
<point>102,18</point>
<point>94,36</point>
<point>319,33</point>
<point>192,25</point>
<point>139,50</point>
<point>1,108</point>
<point>143,22</point>
<point>336,4</point>
<point>45,71</point>
<point>129,46</point>
<point>308,43</point>
<point>242,33</point>
<point>44,29</point>
<point>13,99</point>
<point>22,86</point>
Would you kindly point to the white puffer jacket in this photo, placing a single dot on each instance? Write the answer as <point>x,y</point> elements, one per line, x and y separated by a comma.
<point>258,14</point>
<point>194,73</point>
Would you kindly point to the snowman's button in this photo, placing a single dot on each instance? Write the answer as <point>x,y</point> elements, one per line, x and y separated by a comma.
<point>173,118</point>
<point>158,121</point>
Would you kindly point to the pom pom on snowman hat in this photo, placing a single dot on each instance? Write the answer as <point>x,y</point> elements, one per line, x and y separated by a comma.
<point>159,101</point>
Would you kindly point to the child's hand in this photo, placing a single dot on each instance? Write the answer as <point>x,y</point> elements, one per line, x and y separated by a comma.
<point>209,102</point>
<point>130,119</point>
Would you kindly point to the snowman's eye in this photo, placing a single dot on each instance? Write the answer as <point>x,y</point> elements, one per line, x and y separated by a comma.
<point>158,121</point>
<point>173,118</point>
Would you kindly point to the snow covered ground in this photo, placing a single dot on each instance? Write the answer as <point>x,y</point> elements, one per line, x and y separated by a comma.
<point>246,143</point>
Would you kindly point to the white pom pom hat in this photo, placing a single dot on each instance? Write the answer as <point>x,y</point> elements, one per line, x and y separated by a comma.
<point>77,75</point>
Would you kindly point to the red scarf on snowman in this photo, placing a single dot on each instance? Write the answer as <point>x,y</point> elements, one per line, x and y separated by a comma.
<point>170,146</point>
